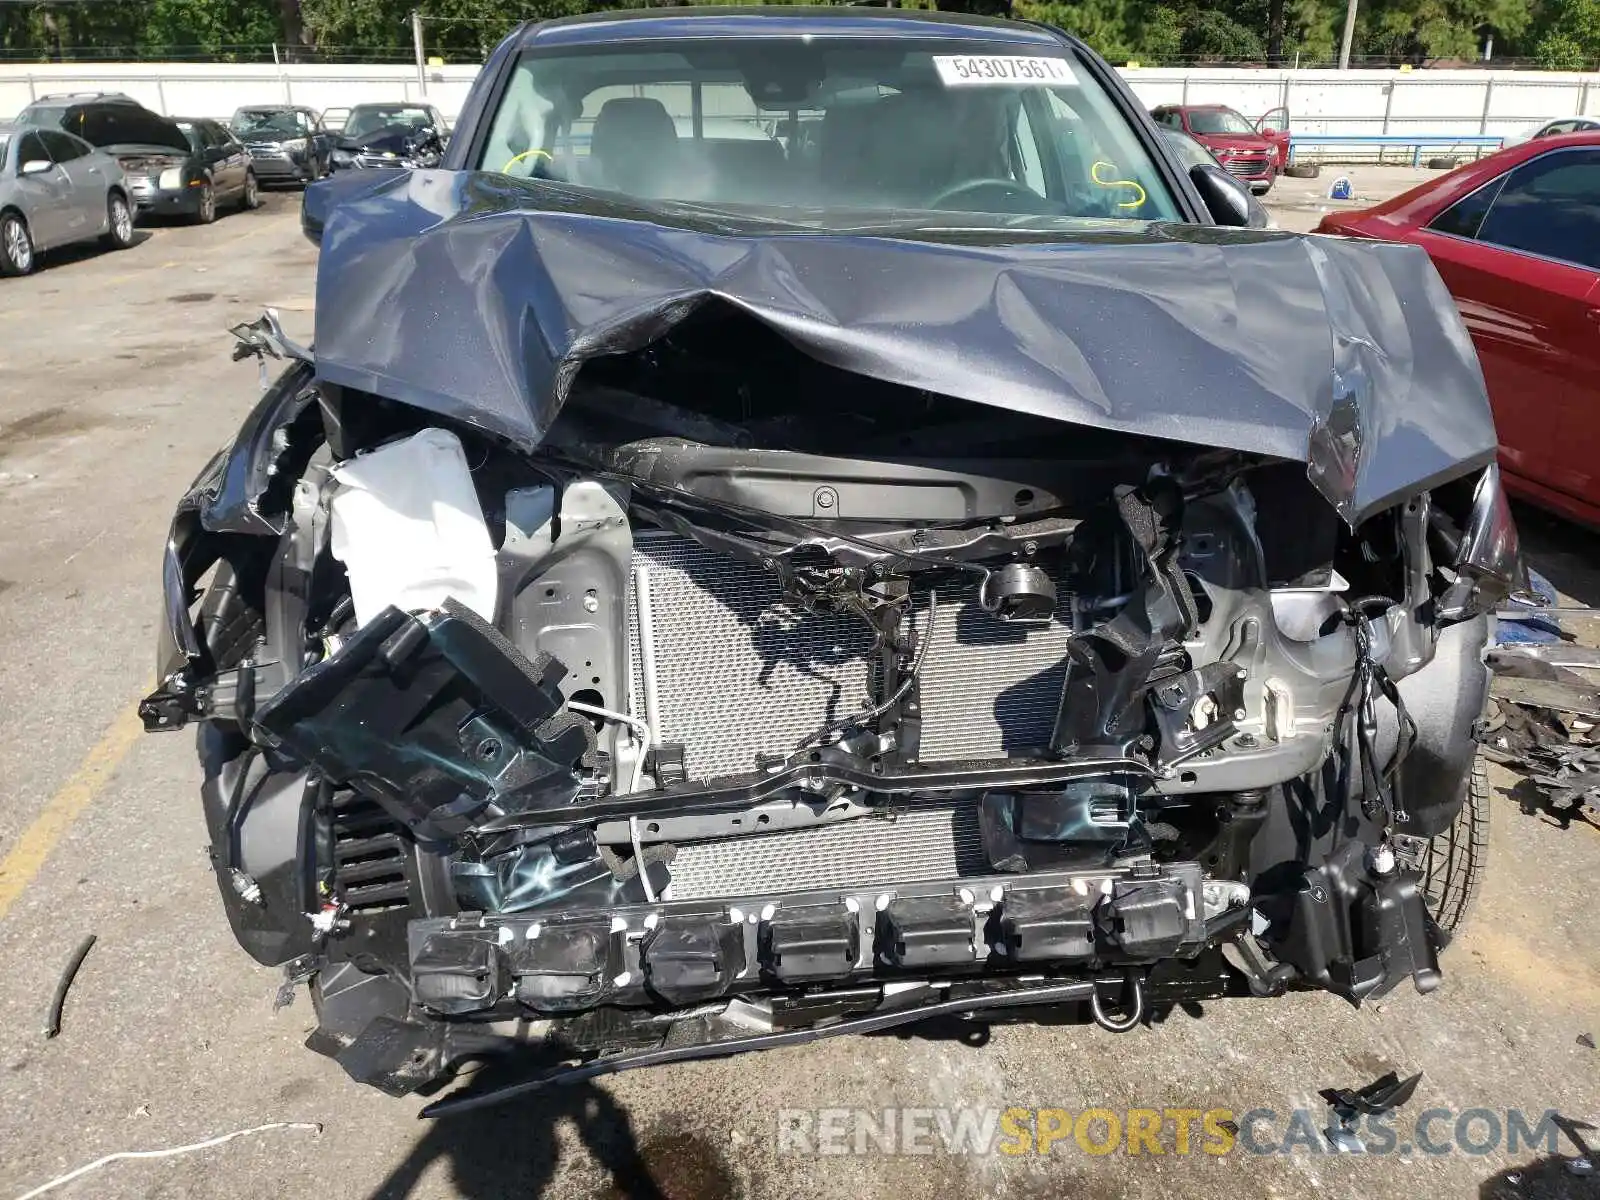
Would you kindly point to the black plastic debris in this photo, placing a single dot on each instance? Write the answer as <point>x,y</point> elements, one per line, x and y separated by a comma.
<point>1383,1095</point>
<point>58,998</point>
<point>1583,1162</point>
<point>1586,1040</point>
<point>1544,722</point>
<point>1557,751</point>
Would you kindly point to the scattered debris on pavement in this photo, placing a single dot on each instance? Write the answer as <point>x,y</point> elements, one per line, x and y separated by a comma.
<point>52,1017</point>
<point>1546,710</point>
<point>1384,1094</point>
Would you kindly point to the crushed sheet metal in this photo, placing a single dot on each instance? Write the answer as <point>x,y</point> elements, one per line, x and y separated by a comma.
<point>479,297</point>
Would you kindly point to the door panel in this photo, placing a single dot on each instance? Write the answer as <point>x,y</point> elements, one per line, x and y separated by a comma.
<point>238,160</point>
<point>1530,321</point>
<point>1274,126</point>
<point>1578,463</point>
<point>44,196</point>
<point>84,211</point>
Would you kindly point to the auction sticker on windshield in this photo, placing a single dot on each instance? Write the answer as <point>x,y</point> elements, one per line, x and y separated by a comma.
<point>968,70</point>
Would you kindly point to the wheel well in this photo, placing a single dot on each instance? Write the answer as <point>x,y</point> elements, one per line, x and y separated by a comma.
<point>13,210</point>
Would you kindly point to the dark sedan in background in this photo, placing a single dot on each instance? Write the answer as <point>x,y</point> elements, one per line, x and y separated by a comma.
<point>287,143</point>
<point>390,136</point>
<point>1516,237</point>
<point>217,171</point>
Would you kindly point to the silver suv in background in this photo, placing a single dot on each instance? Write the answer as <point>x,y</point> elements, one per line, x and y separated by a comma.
<point>55,189</point>
<point>287,143</point>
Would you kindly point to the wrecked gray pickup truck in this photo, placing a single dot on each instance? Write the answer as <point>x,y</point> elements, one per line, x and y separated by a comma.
<point>657,623</point>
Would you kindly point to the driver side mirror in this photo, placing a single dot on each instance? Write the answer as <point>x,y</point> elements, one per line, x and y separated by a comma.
<point>35,166</point>
<point>1227,200</point>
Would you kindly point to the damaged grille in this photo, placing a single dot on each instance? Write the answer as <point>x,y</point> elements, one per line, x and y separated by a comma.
<point>369,858</point>
<point>918,844</point>
<point>739,672</point>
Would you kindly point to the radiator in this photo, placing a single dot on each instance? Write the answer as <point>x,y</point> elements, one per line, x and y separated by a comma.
<point>737,672</point>
<point>917,845</point>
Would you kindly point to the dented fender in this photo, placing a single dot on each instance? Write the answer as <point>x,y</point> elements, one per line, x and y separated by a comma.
<point>239,496</point>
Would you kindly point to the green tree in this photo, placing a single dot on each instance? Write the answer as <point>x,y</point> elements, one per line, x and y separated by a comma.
<point>1161,37</point>
<point>1210,33</point>
<point>1559,52</point>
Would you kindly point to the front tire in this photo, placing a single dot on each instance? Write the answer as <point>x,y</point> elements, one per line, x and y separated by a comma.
<point>1453,861</point>
<point>119,223</point>
<point>16,245</point>
<point>250,199</point>
<point>207,210</point>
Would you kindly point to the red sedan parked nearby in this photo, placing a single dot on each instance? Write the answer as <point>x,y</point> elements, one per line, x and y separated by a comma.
<point>1516,237</point>
<point>1254,152</point>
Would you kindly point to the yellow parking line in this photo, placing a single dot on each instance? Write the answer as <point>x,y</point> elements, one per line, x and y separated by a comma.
<point>26,859</point>
<point>256,232</point>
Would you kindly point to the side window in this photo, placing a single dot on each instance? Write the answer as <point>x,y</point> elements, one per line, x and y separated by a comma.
<point>214,135</point>
<point>31,149</point>
<point>518,138</point>
<point>1558,128</point>
<point>63,147</point>
<point>1464,216</point>
<point>1550,207</point>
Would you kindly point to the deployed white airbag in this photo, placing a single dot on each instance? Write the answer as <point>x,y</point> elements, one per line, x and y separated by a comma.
<point>409,529</point>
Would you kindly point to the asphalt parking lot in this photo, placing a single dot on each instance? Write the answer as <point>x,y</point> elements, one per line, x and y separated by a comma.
<point>115,385</point>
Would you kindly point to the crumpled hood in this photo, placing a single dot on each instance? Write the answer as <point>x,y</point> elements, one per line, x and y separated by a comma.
<point>396,139</point>
<point>478,297</point>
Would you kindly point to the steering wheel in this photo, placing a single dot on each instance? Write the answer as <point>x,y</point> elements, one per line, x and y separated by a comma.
<point>1008,188</point>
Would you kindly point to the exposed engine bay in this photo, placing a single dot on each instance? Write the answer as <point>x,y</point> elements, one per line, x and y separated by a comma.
<point>640,633</point>
<point>689,743</point>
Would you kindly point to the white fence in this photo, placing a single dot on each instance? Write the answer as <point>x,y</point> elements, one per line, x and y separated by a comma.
<point>1334,102</point>
<point>216,89</point>
<point>1394,103</point>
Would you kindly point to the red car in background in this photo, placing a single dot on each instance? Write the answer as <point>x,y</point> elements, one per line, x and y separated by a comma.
<point>1252,151</point>
<point>1516,237</point>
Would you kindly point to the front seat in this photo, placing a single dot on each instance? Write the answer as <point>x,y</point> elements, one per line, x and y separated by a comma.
<point>634,145</point>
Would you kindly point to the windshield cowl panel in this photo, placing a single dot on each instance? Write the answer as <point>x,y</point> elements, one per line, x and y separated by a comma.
<point>834,126</point>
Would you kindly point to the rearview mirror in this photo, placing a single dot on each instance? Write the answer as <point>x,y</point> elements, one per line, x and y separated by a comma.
<point>35,166</point>
<point>1227,200</point>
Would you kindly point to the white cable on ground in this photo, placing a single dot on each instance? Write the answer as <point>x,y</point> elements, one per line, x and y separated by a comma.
<point>312,1126</point>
